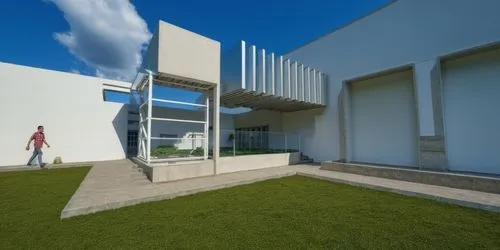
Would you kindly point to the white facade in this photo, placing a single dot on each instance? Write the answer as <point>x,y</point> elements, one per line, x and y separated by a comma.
<point>415,84</point>
<point>79,125</point>
<point>406,33</point>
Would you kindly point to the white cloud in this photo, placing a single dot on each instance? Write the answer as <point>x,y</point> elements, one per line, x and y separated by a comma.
<point>74,71</point>
<point>108,36</point>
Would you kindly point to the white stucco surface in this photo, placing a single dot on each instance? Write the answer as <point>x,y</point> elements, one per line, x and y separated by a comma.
<point>79,124</point>
<point>405,32</point>
<point>182,53</point>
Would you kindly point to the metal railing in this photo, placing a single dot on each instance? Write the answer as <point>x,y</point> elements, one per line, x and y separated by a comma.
<point>189,146</point>
<point>244,142</point>
<point>232,143</point>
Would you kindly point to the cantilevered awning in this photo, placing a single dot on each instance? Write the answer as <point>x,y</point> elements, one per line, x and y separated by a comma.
<point>263,81</point>
<point>249,99</point>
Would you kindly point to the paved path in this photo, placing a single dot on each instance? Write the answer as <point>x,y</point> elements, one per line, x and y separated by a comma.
<point>111,185</point>
<point>48,166</point>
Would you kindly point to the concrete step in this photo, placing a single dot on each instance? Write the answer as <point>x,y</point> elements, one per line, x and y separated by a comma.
<point>306,161</point>
<point>137,175</point>
<point>447,179</point>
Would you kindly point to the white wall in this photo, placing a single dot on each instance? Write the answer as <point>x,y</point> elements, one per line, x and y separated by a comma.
<point>182,53</point>
<point>305,124</point>
<point>259,118</point>
<point>79,125</point>
<point>233,75</point>
<point>405,32</point>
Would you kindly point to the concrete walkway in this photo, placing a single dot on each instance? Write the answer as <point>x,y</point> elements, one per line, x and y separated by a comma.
<point>111,185</point>
<point>47,166</point>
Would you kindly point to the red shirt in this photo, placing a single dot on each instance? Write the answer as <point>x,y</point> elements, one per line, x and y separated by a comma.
<point>39,138</point>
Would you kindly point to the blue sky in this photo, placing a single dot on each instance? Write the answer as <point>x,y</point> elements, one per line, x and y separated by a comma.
<point>34,31</point>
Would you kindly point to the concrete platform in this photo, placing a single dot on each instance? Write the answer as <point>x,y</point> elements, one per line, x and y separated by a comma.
<point>112,185</point>
<point>174,171</point>
<point>120,184</point>
<point>489,184</point>
<point>187,169</point>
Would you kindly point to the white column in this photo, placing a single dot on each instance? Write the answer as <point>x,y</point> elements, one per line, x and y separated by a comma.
<point>307,85</point>
<point>287,87</point>
<point>279,76</point>
<point>261,71</point>
<point>301,83</point>
<point>313,86</point>
<point>293,81</point>
<point>424,97</point>
<point>216,127</point>
<point>150,114</point>
<point>432,141</point>
<point>318,87</point>
<point>270,88</point>
<point>251,73</point>
<point>139,141</point>
<point>323,89</point>
<point>207,118</point>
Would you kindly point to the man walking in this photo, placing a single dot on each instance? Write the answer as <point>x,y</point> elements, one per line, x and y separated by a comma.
<point>39,138</point>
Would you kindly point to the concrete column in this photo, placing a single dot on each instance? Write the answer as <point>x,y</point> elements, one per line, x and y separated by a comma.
<point>216,127</point>
<point>149,116</point>
<point>344,104</point>
<point>430,115</point>
<point>342,124</point>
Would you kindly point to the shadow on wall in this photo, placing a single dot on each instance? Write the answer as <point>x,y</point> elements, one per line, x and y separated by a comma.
<point>120,124</point>
<point>305,126</point>
<point>308,128</point>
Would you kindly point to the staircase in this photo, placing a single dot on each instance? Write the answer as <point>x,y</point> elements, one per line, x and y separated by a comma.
<point>305,159</point>
<point>138,173</point>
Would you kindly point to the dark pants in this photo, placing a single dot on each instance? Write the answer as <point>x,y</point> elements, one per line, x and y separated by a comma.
<point>36,152</point>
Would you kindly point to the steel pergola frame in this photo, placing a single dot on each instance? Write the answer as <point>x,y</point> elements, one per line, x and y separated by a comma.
<point>146,118</point>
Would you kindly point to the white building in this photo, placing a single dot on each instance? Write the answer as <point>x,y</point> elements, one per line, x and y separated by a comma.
<point>414,84</point>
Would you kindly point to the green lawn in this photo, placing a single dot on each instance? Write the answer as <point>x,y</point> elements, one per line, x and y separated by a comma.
<point>293,212</point>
